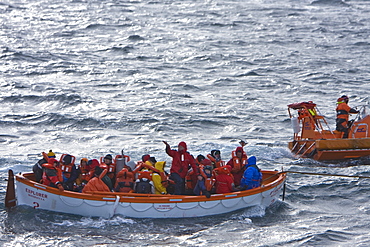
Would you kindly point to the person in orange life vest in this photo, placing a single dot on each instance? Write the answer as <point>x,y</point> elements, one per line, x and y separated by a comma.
<point>108,160</point>
<point>252,176</point>
<point>70,171</point>
<point>98,170</point>
<point>181,159</point>
<point>215,157</point>
<point>205,176</point>
<point>94,168</point>
<point>96,183</point>
<point>343,111</point>
<point>91,164</point>
<point>237,163</point>
<point>224,180</point>
<point>37,168</point>
<point>140,165</point>
<point>125,181</point>
<point>84,176</point>
<point>191,178</point>
<point>52,175</point>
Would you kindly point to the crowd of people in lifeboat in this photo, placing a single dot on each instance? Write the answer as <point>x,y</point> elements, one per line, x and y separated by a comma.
<point>187,175</point>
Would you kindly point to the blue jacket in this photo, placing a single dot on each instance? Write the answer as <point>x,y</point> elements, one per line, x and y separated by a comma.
<point>252,176</point>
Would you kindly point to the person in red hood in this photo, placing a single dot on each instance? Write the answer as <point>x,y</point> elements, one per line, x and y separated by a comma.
<point>237,163</point>
<point>181,159</point>
<point>224,180</point>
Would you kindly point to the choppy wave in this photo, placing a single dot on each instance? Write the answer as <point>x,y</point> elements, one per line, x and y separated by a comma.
<point>101,76</point>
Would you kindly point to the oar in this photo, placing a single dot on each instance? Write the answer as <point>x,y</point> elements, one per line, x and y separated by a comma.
<point>10,199</point>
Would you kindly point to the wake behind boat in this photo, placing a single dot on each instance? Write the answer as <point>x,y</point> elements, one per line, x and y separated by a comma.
<point>25,191</point>
<point>313,137</point>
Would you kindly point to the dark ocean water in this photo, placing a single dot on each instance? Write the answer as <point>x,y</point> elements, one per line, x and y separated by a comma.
<point>95,77</point>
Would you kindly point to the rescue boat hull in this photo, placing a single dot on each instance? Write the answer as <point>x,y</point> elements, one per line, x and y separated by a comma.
<point>134,205</point>
<point>331,149</point>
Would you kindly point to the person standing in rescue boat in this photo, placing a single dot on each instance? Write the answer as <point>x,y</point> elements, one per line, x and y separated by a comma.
<point>181,159</point>
<point>343,111</point>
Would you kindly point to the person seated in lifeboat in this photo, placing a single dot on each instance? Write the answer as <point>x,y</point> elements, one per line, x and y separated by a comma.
<point>84,176</point>
<point>91,164</point>
<point>237,162</point>
<point>96,183</point>
<point>215,158</point>
<point>104,168</point>
<point>205,181</point>
<point>52,174</point>
<point>37,168</point>
<point>191,177</point>
<point>70,171</point>
<point>224,180</point>
<point>160,177</point>
<point>108,160</point>
<point>252,176</point>
<point>144,181</point>
<point>125,181</point>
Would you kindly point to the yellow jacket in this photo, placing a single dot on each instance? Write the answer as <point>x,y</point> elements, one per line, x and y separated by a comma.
<point>157,178</point>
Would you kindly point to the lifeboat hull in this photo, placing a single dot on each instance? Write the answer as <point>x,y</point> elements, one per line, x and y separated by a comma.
<point>134,205</point>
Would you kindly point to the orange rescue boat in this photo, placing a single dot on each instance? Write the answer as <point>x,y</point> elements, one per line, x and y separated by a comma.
<point>314,139</point>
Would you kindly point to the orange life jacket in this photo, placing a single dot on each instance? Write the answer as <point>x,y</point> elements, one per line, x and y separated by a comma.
<point>67,168</point>
<point>58,170</point>
<point>188,180</point>
<point>222,170</point>
<point>145,174</point>
<point>208,181</point>
<point>127,158</point>
<point>148,173</point>
<point>111,167</point>
<point>96,184</point>
<point>343,111</point>
<point>215,163</point>
<point>45,156</point>
<point>125,180</point>
<point>239,165</point>
<point>85,174</point>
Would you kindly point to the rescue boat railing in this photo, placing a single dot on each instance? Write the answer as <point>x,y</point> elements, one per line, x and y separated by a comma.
<point>316,120</point>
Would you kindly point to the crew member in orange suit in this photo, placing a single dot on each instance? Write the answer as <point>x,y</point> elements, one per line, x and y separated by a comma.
<point>343,111</point>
